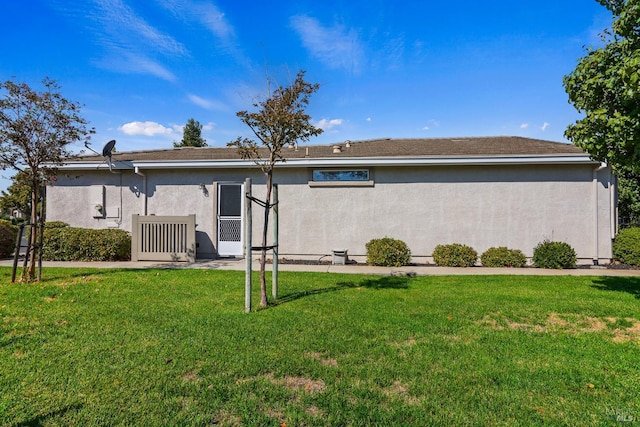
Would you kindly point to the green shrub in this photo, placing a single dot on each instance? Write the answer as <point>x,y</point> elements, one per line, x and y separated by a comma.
<point>503,257</point>
<point>8,236</point>
<point>12,219</point>
<point>455,255</point>
<point>84,244</point>
<point>388,252</point>
<point>556,255</point>
<point>626,246</point>
<point>55,224</point>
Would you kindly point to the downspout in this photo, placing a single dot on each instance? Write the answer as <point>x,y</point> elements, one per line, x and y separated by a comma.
<point>144,187</point>
<point>613,200</point>
<point>596,258</point>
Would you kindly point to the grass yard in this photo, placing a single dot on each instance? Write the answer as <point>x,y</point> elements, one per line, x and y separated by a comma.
<point>175,348</point>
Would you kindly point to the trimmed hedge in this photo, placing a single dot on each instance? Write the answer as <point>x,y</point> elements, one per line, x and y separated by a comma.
<point>8,236</point>
<point>503,257</point>
<point>62,243</point>
<point>556,255</point>
<point>55,224</point>
<point>12,219</point>
<point>626,246</point>
<point>455,255</point>
<point>388,252</point>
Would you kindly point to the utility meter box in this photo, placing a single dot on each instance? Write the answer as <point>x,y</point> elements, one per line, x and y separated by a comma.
<point>340,257</point>
<point>96,201</point>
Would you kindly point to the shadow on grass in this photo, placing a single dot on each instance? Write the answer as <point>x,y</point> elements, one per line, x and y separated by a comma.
<point>391,282</point>
<point>57,274</point>
<point>44,419</point>
<point>629,285</point>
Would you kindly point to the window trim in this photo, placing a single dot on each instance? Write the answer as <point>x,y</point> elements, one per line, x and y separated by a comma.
<point>338,182</point>
<point>314,171</point>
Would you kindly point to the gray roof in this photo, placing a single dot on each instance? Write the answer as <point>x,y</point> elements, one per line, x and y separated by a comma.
<point>373,148</point>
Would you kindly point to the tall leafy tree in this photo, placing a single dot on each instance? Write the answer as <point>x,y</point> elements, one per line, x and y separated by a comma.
<point>192,135</point>
<point>280,120</point>
<point>17,196</point>
<point>628,197</point>
<point>36,128</point>
<point>605,86</point>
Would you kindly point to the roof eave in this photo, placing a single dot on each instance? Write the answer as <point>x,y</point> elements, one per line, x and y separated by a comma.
<point>341,162</point>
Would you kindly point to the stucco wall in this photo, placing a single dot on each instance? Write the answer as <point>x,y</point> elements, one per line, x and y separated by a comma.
<point>72,198</point>
<point>484,206</point>
<point>481,206</point>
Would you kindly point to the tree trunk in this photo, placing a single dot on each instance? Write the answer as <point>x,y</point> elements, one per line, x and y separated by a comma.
<point>263,256</point>
<point>30,273</point>
<point>43,221</point>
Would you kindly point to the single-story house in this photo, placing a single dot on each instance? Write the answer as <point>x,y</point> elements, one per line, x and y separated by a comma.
<point>482,192</point>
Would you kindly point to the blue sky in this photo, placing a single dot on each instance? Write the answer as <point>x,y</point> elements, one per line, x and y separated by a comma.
<point>393,69</point>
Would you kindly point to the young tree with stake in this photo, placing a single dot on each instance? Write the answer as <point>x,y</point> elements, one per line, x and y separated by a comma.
<point>35,129</point>
<point>280,120</point>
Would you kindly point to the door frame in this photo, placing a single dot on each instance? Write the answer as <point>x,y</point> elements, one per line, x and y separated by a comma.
<point>234,247</point>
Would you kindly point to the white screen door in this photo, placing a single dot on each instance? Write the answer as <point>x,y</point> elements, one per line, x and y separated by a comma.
<point>230,220</point>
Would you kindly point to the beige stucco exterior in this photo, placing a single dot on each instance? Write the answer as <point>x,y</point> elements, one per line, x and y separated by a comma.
<point>513,205</point>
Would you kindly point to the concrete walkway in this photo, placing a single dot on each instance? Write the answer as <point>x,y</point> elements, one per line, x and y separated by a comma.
<point>419,270</point>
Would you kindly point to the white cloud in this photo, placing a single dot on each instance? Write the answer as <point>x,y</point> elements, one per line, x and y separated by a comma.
<point>208,14</point>
<point>524,125</point>
<point>148,66</point>
<point>120,61</point>
<point>145,128</point>
<point>210,17</point>
<point>125,28</point>
<point>336,47</point>
<point>368,119</point>
<point>215,21</point>
<point>419,51</point>
<point>140,64</point>
<point>431,123</point>
<point>325,124</point>
<point>127,42</point>
<point>544,126</point>
<point>207,104</point>
<point>393,52</point>
<point>209,126</point>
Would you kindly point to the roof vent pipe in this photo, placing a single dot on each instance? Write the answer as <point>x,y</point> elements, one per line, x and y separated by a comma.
<point>347,144</point>
<point>336,149</point>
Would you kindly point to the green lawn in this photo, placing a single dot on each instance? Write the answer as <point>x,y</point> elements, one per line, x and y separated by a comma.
<point>174,347</point>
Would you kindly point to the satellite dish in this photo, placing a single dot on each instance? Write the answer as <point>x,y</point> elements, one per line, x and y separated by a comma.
<point>108,148</point>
